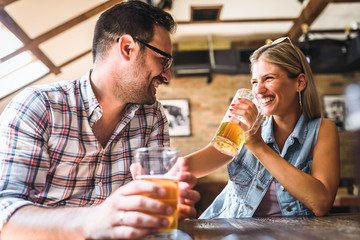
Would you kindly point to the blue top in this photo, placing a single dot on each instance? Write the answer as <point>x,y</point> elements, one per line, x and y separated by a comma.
<point>249,180</point>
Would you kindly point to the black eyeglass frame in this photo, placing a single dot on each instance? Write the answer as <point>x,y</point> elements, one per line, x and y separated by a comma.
<point>169,58</point>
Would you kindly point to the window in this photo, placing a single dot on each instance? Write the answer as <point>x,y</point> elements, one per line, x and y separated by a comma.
<point>19,70</point>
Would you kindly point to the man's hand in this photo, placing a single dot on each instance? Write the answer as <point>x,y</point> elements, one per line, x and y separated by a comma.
<point>187,196</point>
<point>124,215</point>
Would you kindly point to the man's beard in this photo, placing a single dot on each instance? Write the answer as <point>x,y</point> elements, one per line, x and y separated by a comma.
<point>140,91</point>
<point>136,86</point>
<point>148,97</point>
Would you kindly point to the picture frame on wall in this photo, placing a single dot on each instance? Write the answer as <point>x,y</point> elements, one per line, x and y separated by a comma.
<point>334,109</point>
<point>177,112</point>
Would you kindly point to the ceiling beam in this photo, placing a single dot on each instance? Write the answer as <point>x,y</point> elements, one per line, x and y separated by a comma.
<point>240,20</point>
<point>32,44</point>
<point>20,34</point>
<point>65,26</point>
<point>310,12</point>
<point>75,58</point>
<point>308,15</point>
<point>72,22</point>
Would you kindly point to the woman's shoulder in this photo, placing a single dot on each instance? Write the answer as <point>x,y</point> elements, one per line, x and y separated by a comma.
<point>322,123</point>
<point>327,123</point>
<point>327,128</point>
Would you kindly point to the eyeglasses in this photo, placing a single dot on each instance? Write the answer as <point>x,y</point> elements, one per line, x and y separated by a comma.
<point>279,40</point>
<point>169,58</point>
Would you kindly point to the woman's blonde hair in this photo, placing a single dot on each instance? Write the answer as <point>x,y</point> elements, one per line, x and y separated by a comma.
<point>293,61</point>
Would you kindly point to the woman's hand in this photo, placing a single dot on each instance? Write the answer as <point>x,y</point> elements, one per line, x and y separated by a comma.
<point>187,196</point>
<point>250,117</point>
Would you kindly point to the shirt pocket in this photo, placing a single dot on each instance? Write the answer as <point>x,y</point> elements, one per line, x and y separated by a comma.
<point>241,175</point>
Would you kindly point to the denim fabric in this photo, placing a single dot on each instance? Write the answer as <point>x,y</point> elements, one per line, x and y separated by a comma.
<point>249,180</point>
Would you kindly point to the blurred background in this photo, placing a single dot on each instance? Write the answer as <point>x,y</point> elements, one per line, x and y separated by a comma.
<point>43,41</point>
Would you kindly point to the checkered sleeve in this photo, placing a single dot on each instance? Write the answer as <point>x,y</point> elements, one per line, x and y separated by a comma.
<point>23,164</point>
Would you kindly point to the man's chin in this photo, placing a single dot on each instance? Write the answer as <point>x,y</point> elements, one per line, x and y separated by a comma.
<point>147,101</point>
<point>150,102</point>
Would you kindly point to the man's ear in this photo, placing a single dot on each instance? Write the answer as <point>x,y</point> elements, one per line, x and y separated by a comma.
<point>301,82</point>
<point>126,46</point>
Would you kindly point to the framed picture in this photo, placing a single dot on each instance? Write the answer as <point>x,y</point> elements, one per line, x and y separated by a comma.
<point>334,109</point>
<point>178,114</point>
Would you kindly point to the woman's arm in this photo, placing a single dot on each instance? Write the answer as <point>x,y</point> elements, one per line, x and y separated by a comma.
<point>206,161</point>
<point>316,191</point>
<point>209,159</point>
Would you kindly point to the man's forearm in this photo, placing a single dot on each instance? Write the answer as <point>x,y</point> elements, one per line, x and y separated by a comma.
<point>31,222</point>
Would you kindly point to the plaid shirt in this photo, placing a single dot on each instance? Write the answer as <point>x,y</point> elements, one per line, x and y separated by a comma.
<point>49,155</point>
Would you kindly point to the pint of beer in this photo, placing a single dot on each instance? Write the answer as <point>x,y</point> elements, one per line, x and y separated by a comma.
<point>153,164</point>
<point>229,137</point>
<point>171,197</point>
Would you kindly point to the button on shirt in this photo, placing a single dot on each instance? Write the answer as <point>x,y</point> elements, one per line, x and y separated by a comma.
<point>49,155</point>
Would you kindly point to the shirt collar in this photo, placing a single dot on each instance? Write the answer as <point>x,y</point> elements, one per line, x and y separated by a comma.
<point>299,131</point>
<point>92,106</point>
<point>90,101</point>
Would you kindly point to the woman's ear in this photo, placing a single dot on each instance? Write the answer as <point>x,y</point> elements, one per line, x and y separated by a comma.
<point>301,82</point>
<point>126,46</point>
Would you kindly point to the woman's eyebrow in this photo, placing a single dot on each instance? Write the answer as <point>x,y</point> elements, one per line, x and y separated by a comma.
<point>266,74</point>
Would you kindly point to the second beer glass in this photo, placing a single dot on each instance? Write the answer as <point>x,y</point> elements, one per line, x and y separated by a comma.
<point>229,137</point>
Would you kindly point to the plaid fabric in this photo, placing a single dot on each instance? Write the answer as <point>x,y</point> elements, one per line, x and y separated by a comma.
<point>49,155</point>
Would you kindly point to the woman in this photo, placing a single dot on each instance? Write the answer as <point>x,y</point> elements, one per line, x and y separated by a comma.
<point>291,166</point>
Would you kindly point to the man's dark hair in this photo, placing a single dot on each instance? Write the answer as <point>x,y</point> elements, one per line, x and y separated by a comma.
<point>132,17</point>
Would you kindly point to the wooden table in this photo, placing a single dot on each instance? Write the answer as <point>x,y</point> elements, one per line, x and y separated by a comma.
<point>335,226</point>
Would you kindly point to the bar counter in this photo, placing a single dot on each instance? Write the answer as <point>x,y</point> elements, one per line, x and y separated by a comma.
<point>335,226</point>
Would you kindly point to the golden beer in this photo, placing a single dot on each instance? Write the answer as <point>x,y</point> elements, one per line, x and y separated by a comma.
<point>228,138</point>
<point>171,197</point>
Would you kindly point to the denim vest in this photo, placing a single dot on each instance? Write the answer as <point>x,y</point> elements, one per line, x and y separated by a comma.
<point>249,180</point>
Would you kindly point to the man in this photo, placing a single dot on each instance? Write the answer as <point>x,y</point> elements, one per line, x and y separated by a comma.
<point>70,144</point>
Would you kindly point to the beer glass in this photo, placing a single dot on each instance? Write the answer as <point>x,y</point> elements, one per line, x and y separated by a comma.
<point>229,137</point>
<point>153,164</point>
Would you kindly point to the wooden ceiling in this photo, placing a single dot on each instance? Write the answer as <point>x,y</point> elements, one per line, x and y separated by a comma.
<point>308,14</point>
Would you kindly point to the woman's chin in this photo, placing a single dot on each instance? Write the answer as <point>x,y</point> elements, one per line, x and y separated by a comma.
<point>266,113</point>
